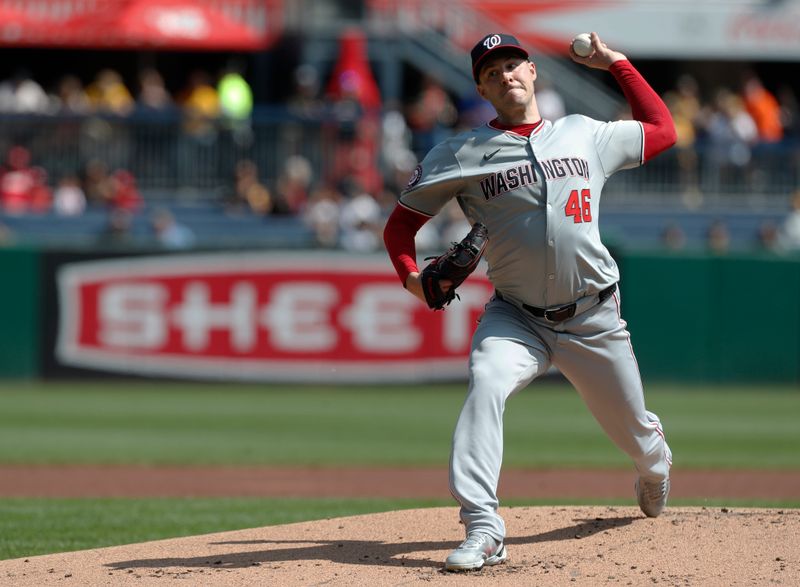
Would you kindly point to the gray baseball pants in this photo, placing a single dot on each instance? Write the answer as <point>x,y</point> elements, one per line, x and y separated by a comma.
<point>510,348</point>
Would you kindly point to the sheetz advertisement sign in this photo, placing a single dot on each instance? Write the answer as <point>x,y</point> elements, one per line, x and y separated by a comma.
<point>303,317</point>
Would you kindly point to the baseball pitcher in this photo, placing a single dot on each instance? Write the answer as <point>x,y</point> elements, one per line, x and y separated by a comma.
<point>532,187</point>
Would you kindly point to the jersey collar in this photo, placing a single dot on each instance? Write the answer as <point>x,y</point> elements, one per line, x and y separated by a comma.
<point>525,130</point>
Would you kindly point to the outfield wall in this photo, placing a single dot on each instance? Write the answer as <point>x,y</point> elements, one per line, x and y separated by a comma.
<point>695,317</point>
<point>310,317</point>
<point>20,313</point>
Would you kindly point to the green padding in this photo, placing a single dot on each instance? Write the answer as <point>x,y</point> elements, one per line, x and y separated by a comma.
<point>715,319</point>
<point>20,307</point>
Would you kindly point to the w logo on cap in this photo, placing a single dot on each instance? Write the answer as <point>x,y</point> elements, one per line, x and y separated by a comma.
<point>492,41</point>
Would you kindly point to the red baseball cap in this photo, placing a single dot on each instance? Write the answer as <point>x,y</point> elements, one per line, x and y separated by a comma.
<point>490,44</point>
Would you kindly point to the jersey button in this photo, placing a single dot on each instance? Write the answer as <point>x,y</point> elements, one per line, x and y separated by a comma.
<point>552,242</point>
<point>551,276</point>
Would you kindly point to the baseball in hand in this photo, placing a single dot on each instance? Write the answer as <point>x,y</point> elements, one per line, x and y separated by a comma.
<point>582,45</point>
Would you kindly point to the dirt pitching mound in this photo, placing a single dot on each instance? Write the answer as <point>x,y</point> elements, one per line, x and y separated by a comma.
<point>547,546</point>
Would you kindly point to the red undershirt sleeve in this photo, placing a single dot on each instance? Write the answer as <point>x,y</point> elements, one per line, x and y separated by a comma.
<point>398,236</point>
<point>647,107</point>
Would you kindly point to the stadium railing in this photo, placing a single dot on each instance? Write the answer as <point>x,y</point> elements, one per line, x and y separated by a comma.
<point>189,168</point>
<point>168,152</point>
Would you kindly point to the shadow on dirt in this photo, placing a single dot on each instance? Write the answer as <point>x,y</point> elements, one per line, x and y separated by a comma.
<point>357,552</point>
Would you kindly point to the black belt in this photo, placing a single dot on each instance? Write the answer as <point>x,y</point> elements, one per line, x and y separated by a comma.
<point>564,312</point>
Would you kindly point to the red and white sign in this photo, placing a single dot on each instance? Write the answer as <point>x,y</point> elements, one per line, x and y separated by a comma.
<point>229,25</point>
<point>297,317</point>
<point>745,30</point>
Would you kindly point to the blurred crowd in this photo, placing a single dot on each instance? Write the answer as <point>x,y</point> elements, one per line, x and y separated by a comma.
<point>25,188</point>
<point>203,95</point>
<point>372,147</point>
<point>730,126</point>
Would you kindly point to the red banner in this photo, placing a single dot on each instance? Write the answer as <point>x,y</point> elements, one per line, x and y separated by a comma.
<point>233,25</point>
<point>303,318</point>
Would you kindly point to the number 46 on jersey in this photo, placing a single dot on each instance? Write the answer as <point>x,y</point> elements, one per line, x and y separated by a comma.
<point>579,206</point>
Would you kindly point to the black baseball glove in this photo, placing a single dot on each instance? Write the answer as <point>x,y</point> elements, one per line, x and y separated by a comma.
<point>453,267</point>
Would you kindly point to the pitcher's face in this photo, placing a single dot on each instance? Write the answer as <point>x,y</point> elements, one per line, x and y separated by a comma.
<point>506,81</point>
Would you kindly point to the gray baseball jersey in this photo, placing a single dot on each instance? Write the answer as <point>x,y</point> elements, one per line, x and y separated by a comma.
<point>538,196</point>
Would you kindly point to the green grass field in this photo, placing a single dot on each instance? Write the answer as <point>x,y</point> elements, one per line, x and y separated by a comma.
<point>546,425</point>
<point>165,423</point>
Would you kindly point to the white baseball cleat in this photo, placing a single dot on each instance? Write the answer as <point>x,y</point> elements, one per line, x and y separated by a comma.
<point>652,496</point>
<point>477,550</point>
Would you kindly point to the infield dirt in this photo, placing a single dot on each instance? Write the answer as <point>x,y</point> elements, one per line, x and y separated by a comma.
<point>424,483</point>
<point>552,546</point>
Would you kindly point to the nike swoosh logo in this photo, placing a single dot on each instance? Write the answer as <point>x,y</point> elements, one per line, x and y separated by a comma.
<point>487,156</point>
